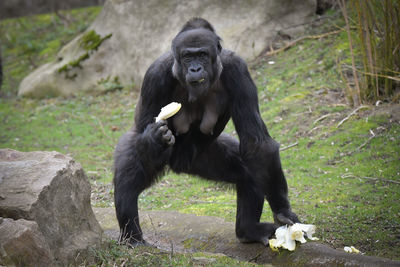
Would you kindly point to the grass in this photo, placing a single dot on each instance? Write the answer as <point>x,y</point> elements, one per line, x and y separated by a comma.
<point>343,179</point>
<point>28,42</point>
<point>114,255</point>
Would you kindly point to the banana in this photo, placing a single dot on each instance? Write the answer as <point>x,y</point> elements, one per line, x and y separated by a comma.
<point>286,236</point>
<point>168,111</point>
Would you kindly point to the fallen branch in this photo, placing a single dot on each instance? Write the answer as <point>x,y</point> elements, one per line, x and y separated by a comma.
<point>370,178</point>
<point>373,135</point>
<point>313,129</point>
<point>292,43</point>
<point>374,74</point>
<point>368,140</point>
<point>324,117</point>
<point>289,146</point>
<point>351,114</point>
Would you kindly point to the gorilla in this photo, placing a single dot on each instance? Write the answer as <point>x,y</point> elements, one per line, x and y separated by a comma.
<point>213,85</point>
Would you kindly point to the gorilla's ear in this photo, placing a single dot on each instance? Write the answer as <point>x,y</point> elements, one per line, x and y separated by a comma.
<point>175,69</point>
<point>219,47</point>
<point>220,67</point>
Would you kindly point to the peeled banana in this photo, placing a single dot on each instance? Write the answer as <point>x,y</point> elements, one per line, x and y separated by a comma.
<point>286,236</point>
<point>168,111</point>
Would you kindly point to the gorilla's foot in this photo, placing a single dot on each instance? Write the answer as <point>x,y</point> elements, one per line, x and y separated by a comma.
<point>257,233</point>
<point>285,216</point>
<point>131,243</point>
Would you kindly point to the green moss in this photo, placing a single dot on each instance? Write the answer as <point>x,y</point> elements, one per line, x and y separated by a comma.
<point>109,85</point>
<point>90,42</point>
<point>77,62</point>
<point>28,42</point>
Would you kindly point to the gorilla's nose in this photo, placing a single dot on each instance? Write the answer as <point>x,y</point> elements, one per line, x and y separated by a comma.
<point>195,69</point>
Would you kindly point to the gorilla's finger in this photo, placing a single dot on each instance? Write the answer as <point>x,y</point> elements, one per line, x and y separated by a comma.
<point>167,135</point>
<point>171,140</point>
<point>163,129</point>
<point>161,122</point>
<point>265,241</point>
<point>282,219</point>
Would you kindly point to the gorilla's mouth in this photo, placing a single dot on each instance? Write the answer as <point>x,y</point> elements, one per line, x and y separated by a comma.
<point>198,82</point>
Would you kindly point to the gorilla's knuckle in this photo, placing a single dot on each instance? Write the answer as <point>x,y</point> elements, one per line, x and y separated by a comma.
<point>171,141</point>
<point>167,135</point>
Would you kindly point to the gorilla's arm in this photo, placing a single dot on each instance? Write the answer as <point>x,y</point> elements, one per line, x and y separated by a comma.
<point>149,142</point>
<point>142,152</point>
<point>155,92</point>
<point>259,151</point>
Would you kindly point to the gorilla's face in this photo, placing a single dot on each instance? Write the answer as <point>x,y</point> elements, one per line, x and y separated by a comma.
<point>197,64</point>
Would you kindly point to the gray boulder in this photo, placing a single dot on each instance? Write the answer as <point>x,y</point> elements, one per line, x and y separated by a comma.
<point>52,191</point>
<point>21,242</point>
<point>129,35</point>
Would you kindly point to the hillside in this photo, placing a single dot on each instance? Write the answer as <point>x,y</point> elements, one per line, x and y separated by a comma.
<point>341,163</point>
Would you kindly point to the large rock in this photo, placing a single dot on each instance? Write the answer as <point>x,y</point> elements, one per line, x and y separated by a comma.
<point>51,190</point>
<point>190,233</point>
<point>143,29</point>
<point>21,242</point>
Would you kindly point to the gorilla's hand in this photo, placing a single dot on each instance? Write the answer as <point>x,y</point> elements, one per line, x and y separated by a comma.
<point>160,133</point>
<point>285,216</point>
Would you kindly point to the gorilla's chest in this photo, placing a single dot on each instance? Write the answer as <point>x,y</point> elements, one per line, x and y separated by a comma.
<point>205,114</point>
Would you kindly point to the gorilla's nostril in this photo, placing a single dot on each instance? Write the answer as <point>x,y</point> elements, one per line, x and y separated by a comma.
<point>195,70</point>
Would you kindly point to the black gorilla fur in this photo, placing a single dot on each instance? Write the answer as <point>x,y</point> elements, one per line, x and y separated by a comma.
<point>213,85</point>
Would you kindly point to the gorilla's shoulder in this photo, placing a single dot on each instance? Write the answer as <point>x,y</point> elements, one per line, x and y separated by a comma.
<point>164,62</point>
<point>161,69</point>
<point>230,59</point>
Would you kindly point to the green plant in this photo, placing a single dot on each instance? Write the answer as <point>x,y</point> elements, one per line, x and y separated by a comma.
<point>376,43</point>
<point>108,84</point>
<point>28,42</point>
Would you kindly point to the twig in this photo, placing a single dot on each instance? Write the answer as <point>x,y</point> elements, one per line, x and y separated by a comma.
<point>289,146</point>
<point>373,135</point>
<point>370,178</point>
<point>313,129</point>
<point>356,97</point>
<point>324,117</point>
<point>292,43</point>
<point>368,140</point>
<point>374,74</point>
<point>102,127</point>
<point>152,225</point>
<point>351,114</point>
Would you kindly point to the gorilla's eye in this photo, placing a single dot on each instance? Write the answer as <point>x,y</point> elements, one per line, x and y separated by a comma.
<point>186,59</point>
<point>203,54</point>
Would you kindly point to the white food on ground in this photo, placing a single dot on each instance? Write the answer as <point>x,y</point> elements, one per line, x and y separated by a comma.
<point>351,249</point>
<point>286,236</point>
<point>168,111</point>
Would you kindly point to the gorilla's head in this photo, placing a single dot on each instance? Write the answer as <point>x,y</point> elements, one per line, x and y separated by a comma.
<point>197,64</point>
